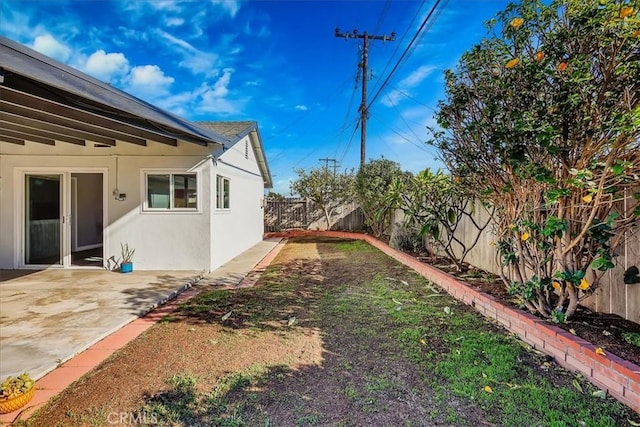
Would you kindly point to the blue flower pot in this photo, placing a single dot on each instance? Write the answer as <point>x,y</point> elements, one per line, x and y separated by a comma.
<point>126,267</point>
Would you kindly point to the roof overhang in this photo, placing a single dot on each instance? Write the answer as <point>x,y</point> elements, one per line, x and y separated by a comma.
<point>44,101</point>
<point>236,131</point>
<point>261,158</point>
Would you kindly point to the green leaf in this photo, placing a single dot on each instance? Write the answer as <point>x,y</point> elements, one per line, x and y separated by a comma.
<point>424,229</point>
<point>577,385</point>
<point>601,264</point>
<point>552,196</point>
<point>451,216</point>
<point>435,232</point>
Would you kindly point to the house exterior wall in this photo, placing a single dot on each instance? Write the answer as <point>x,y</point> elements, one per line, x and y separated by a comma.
<point>162,240</point>
<point>236,229</point>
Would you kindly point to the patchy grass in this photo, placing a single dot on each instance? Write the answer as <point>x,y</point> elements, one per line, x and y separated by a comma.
<point>632,338</point>
<point>337,333</point>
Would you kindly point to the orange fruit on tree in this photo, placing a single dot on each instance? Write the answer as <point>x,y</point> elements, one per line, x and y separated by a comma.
<point>516,23</point>
<point>626,11</point>
<point>512,63</point>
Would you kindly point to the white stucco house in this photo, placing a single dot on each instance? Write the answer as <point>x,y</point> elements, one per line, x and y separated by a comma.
<point>85,167</point>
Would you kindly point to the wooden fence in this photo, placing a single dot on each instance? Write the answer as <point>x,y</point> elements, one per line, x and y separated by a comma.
<point>612,294</point>
<point>301,214</point>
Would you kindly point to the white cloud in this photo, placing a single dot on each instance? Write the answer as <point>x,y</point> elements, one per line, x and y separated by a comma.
<point>197,61</point>
<point>48,45</point>
<point>230,6</point>
<point>179,104</point>
<point>301,107</point>
<point>174,22</point>
<point>148,81</point>
<point>106,66</point>
<point>417,76</point>
<point>220,88</point>
<point>177,42</point>
<point>213,99</point>
<point>405,85</point>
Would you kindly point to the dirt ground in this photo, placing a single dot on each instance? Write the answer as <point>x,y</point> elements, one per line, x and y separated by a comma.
<point>301,348</point>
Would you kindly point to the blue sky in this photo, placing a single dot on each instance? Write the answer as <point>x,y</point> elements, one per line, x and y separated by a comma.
<point>276,62</point>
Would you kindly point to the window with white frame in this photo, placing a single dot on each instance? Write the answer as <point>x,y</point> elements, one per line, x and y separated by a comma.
<point>222,192</point>
<point>171,191</point>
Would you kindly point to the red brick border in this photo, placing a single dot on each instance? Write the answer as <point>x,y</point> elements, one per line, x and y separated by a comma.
<point>253,276</point>
<point>619,377</point>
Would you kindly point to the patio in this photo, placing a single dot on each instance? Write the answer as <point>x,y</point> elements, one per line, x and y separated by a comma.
<point>48,316</point>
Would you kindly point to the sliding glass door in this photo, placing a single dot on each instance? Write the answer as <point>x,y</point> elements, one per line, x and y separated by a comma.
<point>62,218</point>
<point>43,211</point>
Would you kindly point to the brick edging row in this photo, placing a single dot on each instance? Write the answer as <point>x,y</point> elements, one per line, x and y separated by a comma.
<point>609,372</point>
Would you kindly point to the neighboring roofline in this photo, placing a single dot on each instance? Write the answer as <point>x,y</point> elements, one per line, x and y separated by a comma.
<point>21,60</point>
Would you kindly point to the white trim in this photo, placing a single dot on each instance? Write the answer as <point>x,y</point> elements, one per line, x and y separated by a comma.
<point>19,174</point>
<point>221,200</point>
<point>74,213</point>
<point>144,206</point>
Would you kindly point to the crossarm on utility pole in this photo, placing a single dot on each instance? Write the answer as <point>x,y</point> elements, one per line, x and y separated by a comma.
<point>364,113</point>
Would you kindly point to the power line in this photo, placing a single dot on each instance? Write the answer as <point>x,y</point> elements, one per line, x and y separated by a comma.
<point>400,43</point>
<point>395,107</point>
<point>346,150</point>
<point>401,92</point>
<point>406,51</point>
<point>419,146</point>
<point>382,16</point>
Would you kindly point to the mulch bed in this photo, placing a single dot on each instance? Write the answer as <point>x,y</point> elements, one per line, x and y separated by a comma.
<point>600,329</point>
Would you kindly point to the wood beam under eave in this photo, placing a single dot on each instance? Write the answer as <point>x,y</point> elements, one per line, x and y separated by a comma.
<point>54,129</point>
<point>68,122</point>
<point>28,132</point>
<point>20,135</point>
<point>61,110</point>
<point>11,140</point>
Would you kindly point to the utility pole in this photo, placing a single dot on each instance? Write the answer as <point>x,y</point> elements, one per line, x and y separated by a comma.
<point>364,114</point>
<point>326,164</point>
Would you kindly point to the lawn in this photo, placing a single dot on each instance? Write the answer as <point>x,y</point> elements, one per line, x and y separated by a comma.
<point>334,333</point>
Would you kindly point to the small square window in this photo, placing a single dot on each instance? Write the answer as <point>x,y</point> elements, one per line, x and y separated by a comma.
<point>222,190</point>
<point>172,191</point>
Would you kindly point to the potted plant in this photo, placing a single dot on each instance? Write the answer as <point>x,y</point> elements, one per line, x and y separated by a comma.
<point>126,254</point>
<point>15,392</point>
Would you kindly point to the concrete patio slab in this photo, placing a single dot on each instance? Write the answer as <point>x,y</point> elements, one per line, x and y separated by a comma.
<point>47,317</point>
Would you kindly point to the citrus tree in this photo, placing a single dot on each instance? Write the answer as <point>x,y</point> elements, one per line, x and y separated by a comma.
<point>326,188</point>
<point>542,120</point>
<point>373,192</point>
